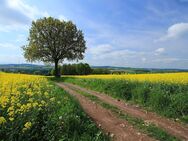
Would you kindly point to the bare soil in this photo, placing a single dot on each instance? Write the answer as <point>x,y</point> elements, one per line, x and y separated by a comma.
<point>118,129</point>
<point>177,129</point>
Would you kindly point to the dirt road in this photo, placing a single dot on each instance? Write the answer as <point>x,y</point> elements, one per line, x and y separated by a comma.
<point>119,129</point>
<point>172,127</point>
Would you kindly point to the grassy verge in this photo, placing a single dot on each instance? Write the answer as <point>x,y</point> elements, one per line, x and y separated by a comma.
<point>76,125</point>
<point>170,100</point>
<point>148,128</point>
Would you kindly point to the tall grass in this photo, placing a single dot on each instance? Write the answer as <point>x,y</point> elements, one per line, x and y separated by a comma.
<point>168,99</point>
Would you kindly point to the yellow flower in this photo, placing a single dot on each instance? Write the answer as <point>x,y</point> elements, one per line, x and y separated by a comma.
<point>11,113</point>
<point>29,105</point>
<point>43,102</point>
<point>20,94</point>
<point>18,104</point>
<point>175,78</point>
<point>35,104</point>
<point>11,119</point>
<point>27,126</point>
<point>10,109</point>
<point>2,120</point>
<point>46,94</point>
<point>31,100</point>
<point>52,99</point>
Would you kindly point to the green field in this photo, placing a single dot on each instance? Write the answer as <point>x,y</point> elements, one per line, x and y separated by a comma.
<point>167,99</point>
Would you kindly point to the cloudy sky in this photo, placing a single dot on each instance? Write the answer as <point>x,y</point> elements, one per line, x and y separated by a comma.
<point>130,33</point>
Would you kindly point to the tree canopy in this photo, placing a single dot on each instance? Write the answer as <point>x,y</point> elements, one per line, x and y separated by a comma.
<point>76,69</point>
<point>53,41</point>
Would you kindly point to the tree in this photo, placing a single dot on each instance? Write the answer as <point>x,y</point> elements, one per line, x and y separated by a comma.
<point>76,69</point>
<point>52,41</point>
<point>88,69</point>
<point>83,69</point>
<point>100,71</point>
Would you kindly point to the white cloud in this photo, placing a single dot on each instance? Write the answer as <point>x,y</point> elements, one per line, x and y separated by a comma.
<point>159,51</point>
<point>16,14</point>
<point>9,48</point>
<point>20,38</point>
<point>168,60</point>
<point>144,59</point>
<point>15,27</point>
<point>100,49</point>
<point>62,18</point>
<point>105,54</point>
<point>175,31</point>
<point>6,46</point>
<point>29,11</point>
<point>161,12</point>
<point>13,59</point>
<point>121,54</point>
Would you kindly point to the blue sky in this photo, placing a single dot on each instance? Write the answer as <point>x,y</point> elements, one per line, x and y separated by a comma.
<point>130,33</point>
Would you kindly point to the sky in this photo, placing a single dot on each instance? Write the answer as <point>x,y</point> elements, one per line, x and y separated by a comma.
<point>127,33</point>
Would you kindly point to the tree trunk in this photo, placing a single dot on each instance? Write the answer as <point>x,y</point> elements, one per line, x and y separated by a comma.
<point>57,73</point>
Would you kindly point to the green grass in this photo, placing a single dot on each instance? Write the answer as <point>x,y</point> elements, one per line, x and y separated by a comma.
<point>76,125</point>
<point>170,100</point>
<point>148,128</point>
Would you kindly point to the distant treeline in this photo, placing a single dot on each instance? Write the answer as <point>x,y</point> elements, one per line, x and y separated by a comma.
<point>40,71</point>
<point>66,69</point>
<point>78,69</point>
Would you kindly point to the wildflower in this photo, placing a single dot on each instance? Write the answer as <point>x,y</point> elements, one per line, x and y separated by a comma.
<point>35,104</point>
<point>11,113</point>
<point>27,126</point>
<point>11,118</point>
<point>177,78</point>
<point>52,99</point>
<point>10,109</point>
<point>46,94</point>
<point>18,104</point>
<point>2,120</point>
<point>43,102</point>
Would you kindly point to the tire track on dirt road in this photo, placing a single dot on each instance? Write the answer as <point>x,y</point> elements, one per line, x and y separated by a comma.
<point>172,127</point>
<point>121,129</point>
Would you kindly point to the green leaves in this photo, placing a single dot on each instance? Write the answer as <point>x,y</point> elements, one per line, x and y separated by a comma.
<point>52,40</point>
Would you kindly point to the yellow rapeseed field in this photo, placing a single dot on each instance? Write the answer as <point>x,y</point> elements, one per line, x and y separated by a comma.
<point>180,78</point>
<point>20,97</point>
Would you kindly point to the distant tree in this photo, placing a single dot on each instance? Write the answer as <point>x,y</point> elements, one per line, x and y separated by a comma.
<point>83,69</point>
<point>88,69</point>
<point>52,40</point>
<point>80,69</point>
<point>76,69</point>
<point>100,71</point>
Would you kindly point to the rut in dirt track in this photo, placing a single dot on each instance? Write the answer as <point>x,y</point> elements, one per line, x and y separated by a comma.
<point>121,129</point>
<point>172,127</point>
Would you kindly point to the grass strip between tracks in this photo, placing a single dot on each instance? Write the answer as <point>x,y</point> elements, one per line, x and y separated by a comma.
<point>145,127</point>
